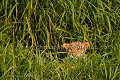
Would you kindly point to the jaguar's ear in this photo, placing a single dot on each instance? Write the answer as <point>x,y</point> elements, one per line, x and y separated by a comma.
<point>86,45</point>
<point>66,45</point>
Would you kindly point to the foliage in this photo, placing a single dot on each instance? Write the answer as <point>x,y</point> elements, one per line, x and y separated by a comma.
<point>31,32</point>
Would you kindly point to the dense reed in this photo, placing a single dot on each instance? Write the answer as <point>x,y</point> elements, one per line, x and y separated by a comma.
<point>31,32</point>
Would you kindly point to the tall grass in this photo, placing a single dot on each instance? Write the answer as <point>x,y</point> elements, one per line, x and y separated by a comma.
<point>31,32</point>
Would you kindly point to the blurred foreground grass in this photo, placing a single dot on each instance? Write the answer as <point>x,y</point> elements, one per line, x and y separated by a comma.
<point>31,32</point>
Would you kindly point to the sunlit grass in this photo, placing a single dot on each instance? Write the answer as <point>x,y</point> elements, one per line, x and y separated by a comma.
<point>32,31</point>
